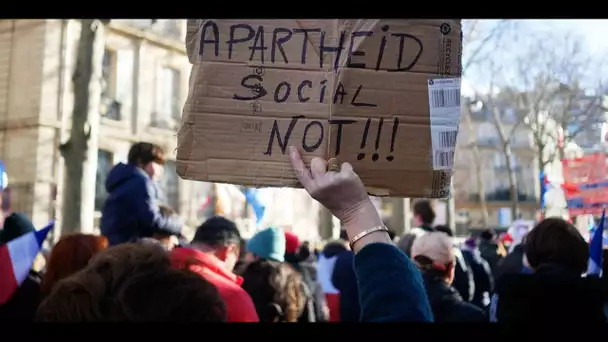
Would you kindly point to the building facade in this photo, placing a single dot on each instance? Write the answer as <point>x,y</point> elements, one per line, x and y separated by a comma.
<point>483,135</point>
<point>144,84</point>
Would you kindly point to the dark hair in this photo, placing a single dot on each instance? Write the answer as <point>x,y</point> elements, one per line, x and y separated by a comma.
<point>217,232</point>
<point>444,229</point>
<point>487,234</point>
<point>431,268</point>
<point>133,282</point>
<point>343,235</point>
<point>143,153</point>
<point>424,209</point>
<point>276,290</point>
<point>556,241</point>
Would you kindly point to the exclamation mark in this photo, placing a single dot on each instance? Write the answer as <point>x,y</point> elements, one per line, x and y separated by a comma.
<point>393,137</point>
<point>360,156</point>
<point>376,156</point>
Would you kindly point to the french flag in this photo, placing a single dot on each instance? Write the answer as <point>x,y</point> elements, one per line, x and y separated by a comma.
<point>16,259</point>
<point>595,249</point>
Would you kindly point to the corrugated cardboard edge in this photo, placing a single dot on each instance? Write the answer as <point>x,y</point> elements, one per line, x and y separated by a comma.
<point>442,179</point>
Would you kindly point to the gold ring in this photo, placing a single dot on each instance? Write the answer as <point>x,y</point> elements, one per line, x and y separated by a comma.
<point>332,165</point>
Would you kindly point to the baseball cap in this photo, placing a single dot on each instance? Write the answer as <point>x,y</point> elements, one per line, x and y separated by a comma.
<point>434,246</point>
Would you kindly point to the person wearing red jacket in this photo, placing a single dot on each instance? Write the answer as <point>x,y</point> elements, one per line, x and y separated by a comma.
<point>213,253</point>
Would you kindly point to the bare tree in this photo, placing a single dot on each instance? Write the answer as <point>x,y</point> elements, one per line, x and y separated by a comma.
<point>552,100</point>
<point>482,38</point>
<point>506,136</point>
<point>77,150</point>
<point>473,146</point>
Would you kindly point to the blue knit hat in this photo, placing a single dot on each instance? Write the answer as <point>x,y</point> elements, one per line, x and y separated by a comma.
<point>268,244</point>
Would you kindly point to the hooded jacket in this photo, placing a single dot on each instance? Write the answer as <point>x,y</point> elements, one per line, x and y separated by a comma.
<point>131,210</point>
<point>239,305</point>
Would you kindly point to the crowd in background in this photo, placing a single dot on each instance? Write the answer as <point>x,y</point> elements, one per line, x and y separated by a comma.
<point>142,269</point>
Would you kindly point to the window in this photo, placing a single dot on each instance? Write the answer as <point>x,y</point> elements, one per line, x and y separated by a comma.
<point>104,165</point>
<point>109,107</point>
<point>168,101</point>
<point>500,161</point>
<point>108,73</point>
<point>169,186</point>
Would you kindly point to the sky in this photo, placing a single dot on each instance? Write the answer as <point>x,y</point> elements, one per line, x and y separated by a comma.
<point>594,33</point>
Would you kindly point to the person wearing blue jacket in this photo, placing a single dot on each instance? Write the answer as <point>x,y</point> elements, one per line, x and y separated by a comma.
<point>131,210</point>
<point>390,285</point>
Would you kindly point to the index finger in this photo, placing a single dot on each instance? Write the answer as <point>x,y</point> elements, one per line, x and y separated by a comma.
<point>299,168</point>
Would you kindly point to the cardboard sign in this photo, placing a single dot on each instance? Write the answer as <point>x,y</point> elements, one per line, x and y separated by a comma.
<point>383,95</point>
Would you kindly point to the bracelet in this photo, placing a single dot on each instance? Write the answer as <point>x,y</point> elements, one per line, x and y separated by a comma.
<point>366,233</point>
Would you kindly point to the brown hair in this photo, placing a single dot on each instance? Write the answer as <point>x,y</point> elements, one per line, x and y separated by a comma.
<point>71,254</point>
<point>276,290</point>
<point>132,282</point>
<point>424,209</point>
<point>556,241</point>
<point>143,153</point>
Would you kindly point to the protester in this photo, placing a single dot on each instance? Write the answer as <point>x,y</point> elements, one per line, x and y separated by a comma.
<point>296,255</point>
<point>434,255</point>
<point>69,255</point>
<point>267,244</point>
<point>390,285</point>
<point>132,283</point>
<point>325,269</point>
<point>169,241</point>
<point>463,275</point>
<point>24,302</point>
<point>605,278</point>
<point>276,290</point>
<point>241,263</point>
<point>513,263</point>
<point>489,250</point>
<point>344,279</point>
<point>424,215</point>
<point>482,274</point>
<point>131,210</point>
<point>213,254</point>
<point>555,291</point>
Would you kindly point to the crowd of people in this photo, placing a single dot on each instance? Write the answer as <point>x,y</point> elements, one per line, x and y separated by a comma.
<point>141,268</point>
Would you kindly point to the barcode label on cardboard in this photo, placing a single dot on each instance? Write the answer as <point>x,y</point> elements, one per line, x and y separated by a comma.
<point>444,158</point>
<point>445,139</point>
<point>444,109</point>
<point>445,98</point>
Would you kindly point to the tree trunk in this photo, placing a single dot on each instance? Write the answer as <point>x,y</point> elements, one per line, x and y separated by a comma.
<point>326,224</point>
<point>481,186</point>
<point>398,215</point>
<point>80,151</point>
<point>513,193</point>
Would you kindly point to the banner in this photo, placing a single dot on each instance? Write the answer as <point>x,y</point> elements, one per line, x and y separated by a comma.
<point>586,184</point>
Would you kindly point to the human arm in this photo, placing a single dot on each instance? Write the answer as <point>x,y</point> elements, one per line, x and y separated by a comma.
<point>390,286</point>
<point>149,215</point>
